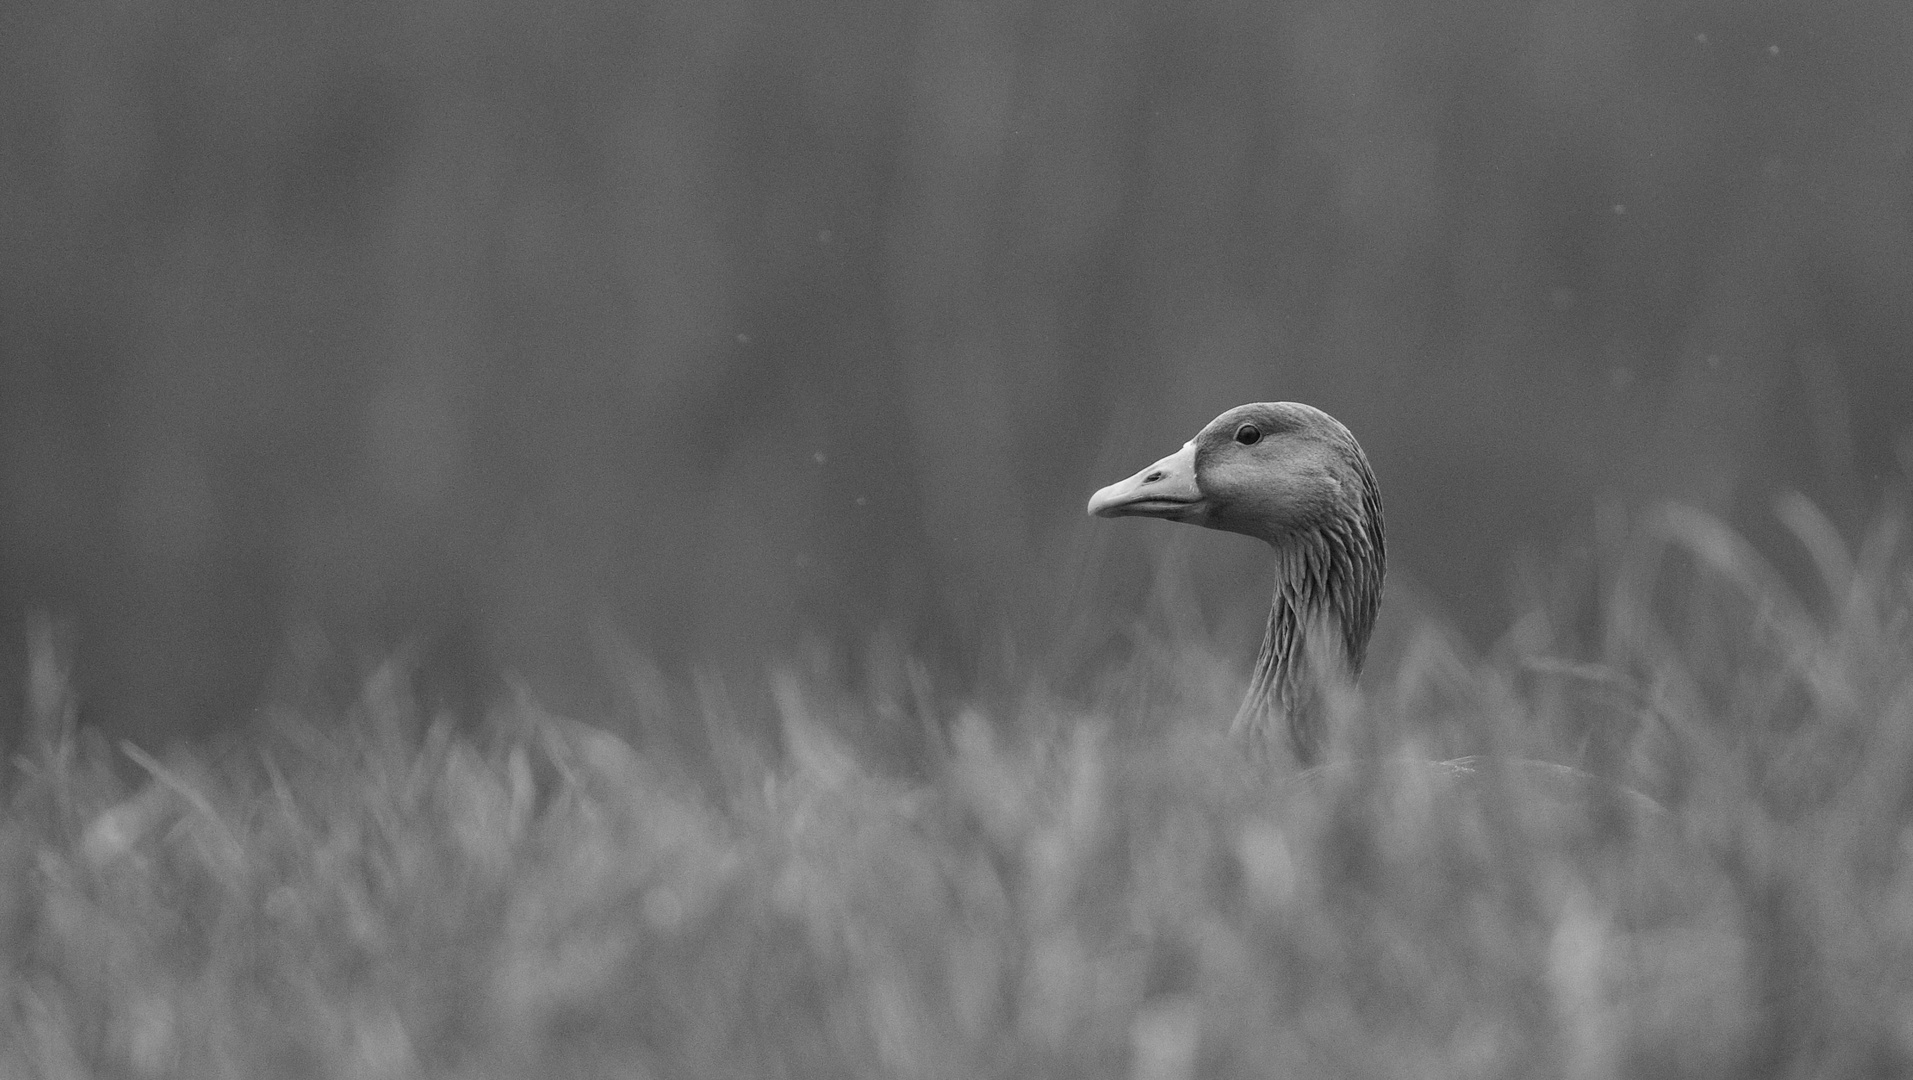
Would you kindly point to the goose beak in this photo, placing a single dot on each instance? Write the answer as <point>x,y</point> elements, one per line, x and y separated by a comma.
<point>1166,489</point>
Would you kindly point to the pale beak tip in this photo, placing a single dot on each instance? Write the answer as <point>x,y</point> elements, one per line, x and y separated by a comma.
<point>1106,499</point>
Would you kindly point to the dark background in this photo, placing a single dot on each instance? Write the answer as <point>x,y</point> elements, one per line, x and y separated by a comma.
<point>738,323</point>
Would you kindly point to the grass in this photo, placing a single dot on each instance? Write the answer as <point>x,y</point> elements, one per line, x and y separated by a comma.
<point>1056,890</point>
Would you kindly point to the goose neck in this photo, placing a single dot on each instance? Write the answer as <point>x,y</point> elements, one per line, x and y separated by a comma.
<point>1320,616</point>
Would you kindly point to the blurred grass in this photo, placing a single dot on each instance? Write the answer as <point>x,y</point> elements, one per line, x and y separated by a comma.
<point>1060,888</point>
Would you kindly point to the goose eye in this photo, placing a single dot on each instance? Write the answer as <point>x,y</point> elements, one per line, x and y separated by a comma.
<point>1248,435</point>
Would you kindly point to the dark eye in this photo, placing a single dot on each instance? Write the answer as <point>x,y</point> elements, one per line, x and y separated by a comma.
<point>1248,435</point>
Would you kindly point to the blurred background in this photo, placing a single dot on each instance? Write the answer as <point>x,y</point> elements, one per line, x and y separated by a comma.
<point>529,332</point>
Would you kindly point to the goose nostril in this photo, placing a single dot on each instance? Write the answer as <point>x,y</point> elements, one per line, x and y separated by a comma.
<point>1152,478</point>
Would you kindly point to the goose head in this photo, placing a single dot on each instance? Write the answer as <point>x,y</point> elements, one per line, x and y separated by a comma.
<point>1293,477</point>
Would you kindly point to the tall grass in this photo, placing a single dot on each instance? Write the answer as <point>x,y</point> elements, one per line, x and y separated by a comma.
<point>1092,889</point>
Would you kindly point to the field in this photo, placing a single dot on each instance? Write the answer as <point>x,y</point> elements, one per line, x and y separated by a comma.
<point>1096,885</point>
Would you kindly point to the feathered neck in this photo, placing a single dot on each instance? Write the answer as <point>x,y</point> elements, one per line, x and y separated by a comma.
<point>1328,587</point>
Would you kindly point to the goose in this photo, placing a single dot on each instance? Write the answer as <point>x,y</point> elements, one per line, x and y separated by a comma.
<point>1294,477</point>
